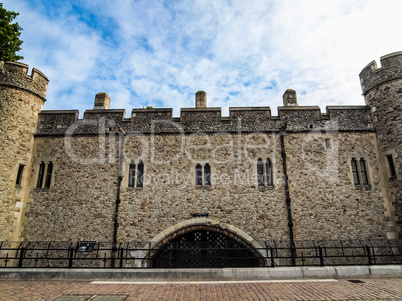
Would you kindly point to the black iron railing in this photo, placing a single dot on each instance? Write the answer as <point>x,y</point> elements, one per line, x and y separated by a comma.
<point>199,254</point>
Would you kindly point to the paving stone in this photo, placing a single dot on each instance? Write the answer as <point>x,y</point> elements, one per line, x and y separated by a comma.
<point>73,298</point>
<point>342,289</point>
<point>110,298</point>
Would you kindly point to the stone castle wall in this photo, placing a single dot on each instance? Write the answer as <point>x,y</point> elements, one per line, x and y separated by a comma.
<point>89,154</point>
<point>21,98</point>
<point>80,202</point>
<point>325,203</point>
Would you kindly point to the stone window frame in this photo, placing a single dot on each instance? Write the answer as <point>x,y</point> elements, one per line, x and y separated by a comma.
<point>48,174</point>
<point>126,182</point>
<point>363,174</point>
<point>132,168</point>
<point>212,170</point>
<point>355,171</point>
<point>330,139</point>
<point>327,143</point>
<point>264,158</point>
<point>391,154</point>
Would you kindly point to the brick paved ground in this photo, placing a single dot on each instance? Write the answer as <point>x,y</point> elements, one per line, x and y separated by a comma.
<point>370,289</point>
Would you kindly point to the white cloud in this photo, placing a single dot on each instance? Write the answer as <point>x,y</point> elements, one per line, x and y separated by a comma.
<point>241,53</point>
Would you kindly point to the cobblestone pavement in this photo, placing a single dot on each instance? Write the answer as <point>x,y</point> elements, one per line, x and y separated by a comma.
<point>330,289</point>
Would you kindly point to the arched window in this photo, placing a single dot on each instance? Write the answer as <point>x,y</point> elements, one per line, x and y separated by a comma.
<point>268,172</point>
<point>131,174</point>
<point>207,174</point>
<point>140,178</point>
<point>198,174</point>
<point>363,172</point>
<point>40,175</point>
<point>45,175</point>
<point>49,174</point>
<point>203,175</point>
<point>356,179</point>
<point>260,172</point>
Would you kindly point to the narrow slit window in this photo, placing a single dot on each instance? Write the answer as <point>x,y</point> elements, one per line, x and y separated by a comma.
<point>140,178</point>
<point>198,175</point>
<point>131,174</point>
<point>19,175</point>
<point>391,166</point>
<point>327,144</point>
<point>49,174</point>
<point>40,175</point>
<point>260,172</point>
<point>268,171</point>
<point>356,179</point>
<point>207,174</point>
<point>363,172</point>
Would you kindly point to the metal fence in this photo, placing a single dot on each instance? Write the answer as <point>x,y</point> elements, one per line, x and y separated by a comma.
<point>141,255</point>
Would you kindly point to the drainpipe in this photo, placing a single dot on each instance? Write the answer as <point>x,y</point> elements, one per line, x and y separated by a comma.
<point>288,201</point>
<point>122,135</point>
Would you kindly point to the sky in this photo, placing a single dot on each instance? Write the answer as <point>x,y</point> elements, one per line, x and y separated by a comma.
<point>241,52</point>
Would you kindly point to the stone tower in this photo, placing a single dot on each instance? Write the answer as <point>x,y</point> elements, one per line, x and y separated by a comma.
<point>21,98</point>
<point>382,90</point>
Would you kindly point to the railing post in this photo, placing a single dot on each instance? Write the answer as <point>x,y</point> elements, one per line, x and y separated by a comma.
<point>272,258</point>
<point>149,256</point>
<point>70,259</point>
<point>121,257</point>
<point>5,261</point>
<point>22,253</point>
<point>293,254</point>
<point>369,255</point>
<point>374,259</point>
<point>170,258</point>
<point>321,256</point>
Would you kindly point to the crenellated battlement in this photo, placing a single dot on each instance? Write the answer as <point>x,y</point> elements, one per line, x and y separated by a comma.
<point>208,120</point>
<point>15,75</point>
<point>391,69</point>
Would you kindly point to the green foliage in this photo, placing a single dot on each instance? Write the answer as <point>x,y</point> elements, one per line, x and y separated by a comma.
<point>148,107</point>
<point>10,33</point>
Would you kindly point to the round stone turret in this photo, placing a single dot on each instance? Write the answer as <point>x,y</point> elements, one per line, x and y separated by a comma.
<point>22,96</point>
<point>372,76</point>
<point>201,99</point>
<point>13,74</point>
<point>382,90</point>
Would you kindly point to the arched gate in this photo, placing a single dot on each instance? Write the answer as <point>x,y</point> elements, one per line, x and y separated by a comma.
<point>205,247</point>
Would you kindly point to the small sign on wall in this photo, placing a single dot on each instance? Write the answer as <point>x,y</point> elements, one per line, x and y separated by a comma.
<point>85,246</point>
<point>200,215</point>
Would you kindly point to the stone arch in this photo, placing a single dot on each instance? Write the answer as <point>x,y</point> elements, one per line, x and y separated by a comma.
<point>205,225</point>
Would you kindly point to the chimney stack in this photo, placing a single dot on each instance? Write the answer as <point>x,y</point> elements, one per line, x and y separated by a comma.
<point>290,98</point>
<point>201,99</point>
<point>102,101</point>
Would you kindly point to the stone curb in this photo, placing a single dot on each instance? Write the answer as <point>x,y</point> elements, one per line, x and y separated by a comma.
<point>280,273</point>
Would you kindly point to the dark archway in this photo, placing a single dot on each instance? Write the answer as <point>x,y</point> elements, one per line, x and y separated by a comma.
<point>205,247</point>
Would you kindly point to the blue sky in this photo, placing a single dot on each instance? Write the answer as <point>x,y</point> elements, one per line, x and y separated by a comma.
<point>242,53</point>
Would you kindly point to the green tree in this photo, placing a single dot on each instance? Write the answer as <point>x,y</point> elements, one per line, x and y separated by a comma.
<point>10,33</point>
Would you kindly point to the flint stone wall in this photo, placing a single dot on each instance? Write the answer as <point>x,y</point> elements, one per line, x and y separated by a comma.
<point>257,119</point>
<point>81,202</point>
